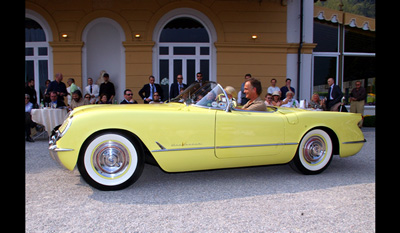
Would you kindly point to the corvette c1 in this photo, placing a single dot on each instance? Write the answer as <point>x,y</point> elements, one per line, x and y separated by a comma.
<point>198,130</point>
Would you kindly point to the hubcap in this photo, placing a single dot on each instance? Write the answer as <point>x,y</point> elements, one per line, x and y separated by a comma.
<point>110,159</point>
<point>314,150</point>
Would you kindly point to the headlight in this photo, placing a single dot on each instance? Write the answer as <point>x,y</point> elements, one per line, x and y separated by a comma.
<point>65,126</point>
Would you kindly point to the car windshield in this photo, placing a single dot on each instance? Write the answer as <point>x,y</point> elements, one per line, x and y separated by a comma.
<point>210,94</point>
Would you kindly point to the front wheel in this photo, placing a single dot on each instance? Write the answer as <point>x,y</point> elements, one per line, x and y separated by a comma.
<point>110,161</point>
<point>314,153</point>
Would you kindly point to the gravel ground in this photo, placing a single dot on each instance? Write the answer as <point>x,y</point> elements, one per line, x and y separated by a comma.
<point>259,199</point>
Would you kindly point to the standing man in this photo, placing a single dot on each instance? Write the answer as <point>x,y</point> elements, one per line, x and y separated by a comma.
<point>199,78</point>
<point>252,90</point>
<point>334,96</point>
<point>357,99</point>
<point>107,88</point>
<point>58,87</point>
<point>243,98</point>
<point>286,88</point>
<point>30,90</point>
<point>92,90</point>
<point>176,87</point>
<point>148,90</point>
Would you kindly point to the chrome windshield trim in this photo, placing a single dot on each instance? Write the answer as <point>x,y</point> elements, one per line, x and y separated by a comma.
<point>354,142</point>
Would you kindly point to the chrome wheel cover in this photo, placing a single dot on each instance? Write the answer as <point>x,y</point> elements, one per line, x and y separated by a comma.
<point>314,149</point>
<point>110,159</point>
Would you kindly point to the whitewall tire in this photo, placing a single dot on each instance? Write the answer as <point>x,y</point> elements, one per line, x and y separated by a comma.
<point>314,153</point>
<point>110,161</point>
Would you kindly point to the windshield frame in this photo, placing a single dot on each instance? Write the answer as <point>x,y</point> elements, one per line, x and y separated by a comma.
<point>191,93</point>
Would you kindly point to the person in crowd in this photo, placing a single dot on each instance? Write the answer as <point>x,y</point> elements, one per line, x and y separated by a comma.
<point>156,99</point>
<point>276,99</point>
<point>77,100</point>
<point>273,87</point>
<point>177,87</point>
<point>148,90</point>
<point>46,95</point>
<point>357,100</point>
<point>334,96</point>
<point>107,88</point>
<point>55,102</point>
<point>30,90</point>
<point>253,90</point>
<point>243,98</point>
<point>28,118</point>
<point>128,97</point>
<point>268,99</point>
<point>289,101</point>
<point>59,87</point>
<point>93,90</point>
<point>72,87</point>
<point>287,88</point>
<point>316,102</point>
<point>199,78</point>
<point>103,99</point>
<point>88,98</point>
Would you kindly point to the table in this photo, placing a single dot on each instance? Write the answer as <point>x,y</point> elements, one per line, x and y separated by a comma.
<point>49,117</point>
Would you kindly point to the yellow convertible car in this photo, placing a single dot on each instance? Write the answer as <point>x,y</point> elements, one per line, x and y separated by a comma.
<point>198,130</point>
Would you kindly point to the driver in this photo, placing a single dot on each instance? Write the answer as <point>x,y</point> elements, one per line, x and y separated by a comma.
<point>253,89</point>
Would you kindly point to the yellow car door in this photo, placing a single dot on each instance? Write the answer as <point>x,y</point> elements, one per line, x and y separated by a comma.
<point>242,133</point>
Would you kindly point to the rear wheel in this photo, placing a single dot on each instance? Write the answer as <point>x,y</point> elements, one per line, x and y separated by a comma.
<point>314,153</point>
<point>110,161</point>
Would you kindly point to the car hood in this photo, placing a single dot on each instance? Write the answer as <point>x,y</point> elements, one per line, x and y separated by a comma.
<point>127,107</point>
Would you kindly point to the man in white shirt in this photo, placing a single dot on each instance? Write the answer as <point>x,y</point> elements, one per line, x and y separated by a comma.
<point>92,90</point>
<point>273,87</point>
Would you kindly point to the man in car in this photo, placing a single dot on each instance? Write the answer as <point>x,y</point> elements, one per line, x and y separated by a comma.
<point>252,90</point>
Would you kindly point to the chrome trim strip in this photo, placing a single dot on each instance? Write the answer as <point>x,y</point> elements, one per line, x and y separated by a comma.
<point>260,145</point>
<point>354,142</point>
<point>62,149</point>
<point>163,149</point>
<point>183,149</point>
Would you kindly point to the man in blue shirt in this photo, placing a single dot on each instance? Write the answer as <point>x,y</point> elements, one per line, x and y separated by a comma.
<point>58,87</point>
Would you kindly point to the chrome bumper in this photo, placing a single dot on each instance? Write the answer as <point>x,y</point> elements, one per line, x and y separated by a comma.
<point>53,149</point>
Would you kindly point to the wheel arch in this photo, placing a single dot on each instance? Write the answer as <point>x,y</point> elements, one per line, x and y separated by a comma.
<point>332,135</point>
<point>147,155</point>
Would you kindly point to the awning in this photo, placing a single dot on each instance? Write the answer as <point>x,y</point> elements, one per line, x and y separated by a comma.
<point>341,17</point>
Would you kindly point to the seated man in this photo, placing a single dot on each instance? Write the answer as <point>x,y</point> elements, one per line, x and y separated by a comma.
<point>54,101</point>
<point>128,97</point>
<point>289,101</point>
<point>252,90</point>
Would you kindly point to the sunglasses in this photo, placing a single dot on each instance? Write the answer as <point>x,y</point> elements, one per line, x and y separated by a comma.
<point>129,94</point>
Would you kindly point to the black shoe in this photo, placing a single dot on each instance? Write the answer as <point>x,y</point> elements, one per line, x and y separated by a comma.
<point>29,139</point>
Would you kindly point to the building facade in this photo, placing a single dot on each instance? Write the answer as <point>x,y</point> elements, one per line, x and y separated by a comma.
<point>132,39</point>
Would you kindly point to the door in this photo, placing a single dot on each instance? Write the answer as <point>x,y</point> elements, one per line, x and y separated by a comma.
<point>247,133</point>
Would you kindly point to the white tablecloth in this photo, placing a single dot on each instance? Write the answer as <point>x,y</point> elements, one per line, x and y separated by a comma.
<point>49,117</point>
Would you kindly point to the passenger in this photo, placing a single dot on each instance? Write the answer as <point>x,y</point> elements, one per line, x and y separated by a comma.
<point>276,99</point>
<point>289,101</point>
<point>252,90</point>
<point>232,95</point>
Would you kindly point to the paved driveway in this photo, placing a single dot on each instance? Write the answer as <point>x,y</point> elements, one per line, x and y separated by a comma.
<point>260,199</point>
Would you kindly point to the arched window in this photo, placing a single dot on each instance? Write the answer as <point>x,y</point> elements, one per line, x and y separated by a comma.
<point>184,47</point>
<point>184,29</point>
<point>36,55</point>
